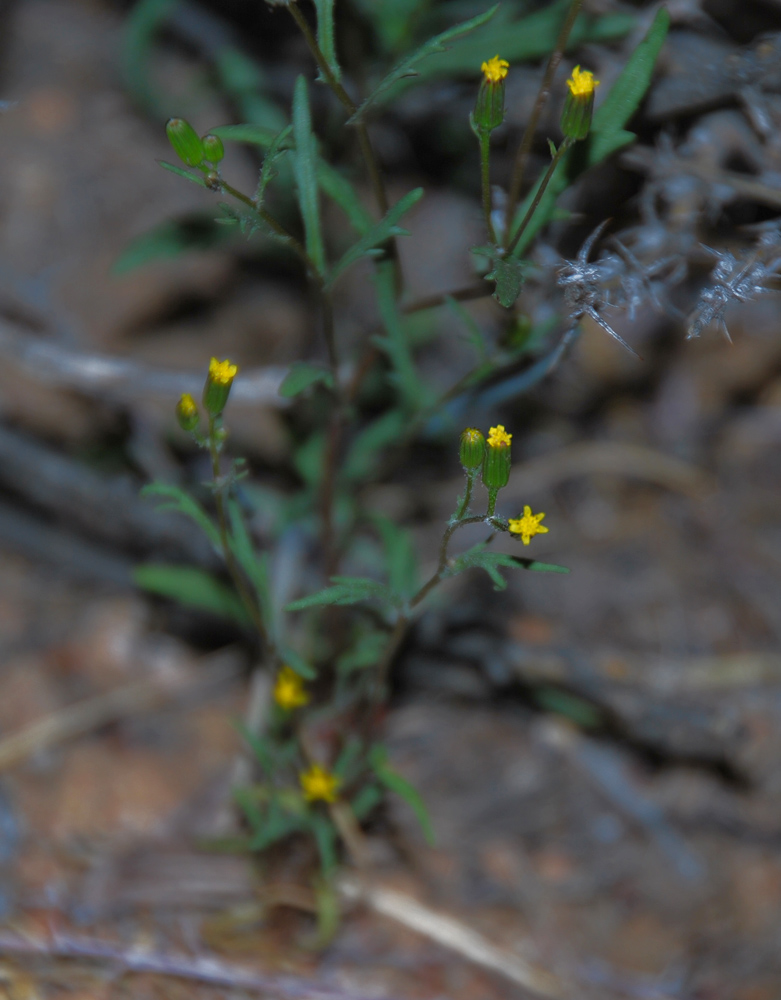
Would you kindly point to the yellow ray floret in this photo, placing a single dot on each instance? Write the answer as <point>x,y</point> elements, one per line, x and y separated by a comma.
<point>527,526</point>
<point>318,783</point>
<point>582,82</point>
<point>495,70</point>
<point>289,691</point>
<point>222,372</point>
<point>498,436</point>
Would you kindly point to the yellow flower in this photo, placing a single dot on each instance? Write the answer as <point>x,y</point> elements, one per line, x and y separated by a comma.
<point>527,526</point>
<point>582,83</point>
<point>498,436</point>
<point>289,692</point>
<point>495,70</point>
<point>187,407</point>
<point>222,372</point>
<point>318,783</point>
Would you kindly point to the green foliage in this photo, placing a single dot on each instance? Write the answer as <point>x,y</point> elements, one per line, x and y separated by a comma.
<point>301,376</point>
<point>305,169</point>
<point>386,775</point>
<point>191,586</point>
<point>325,35</point>
<point>607,129</point>
<point>183,503</point>
<point>347,590</point>
<point>407,67</point>
<point>171,239</point>
<point>369,245</point>
<point>506,273</point>
<point>480,556</point>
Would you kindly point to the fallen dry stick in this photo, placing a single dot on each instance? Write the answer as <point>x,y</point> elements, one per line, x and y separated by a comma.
<point>196,968</point>
<point>453,934</point>
<point>87,716</point>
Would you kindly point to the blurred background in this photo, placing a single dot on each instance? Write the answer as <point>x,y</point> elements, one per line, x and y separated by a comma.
<point>600,753</point>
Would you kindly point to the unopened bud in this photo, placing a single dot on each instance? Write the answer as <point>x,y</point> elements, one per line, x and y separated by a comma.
<point>213,149</point>
<point>187,413</point>
<point>185,141</point>
<point>472,449</point>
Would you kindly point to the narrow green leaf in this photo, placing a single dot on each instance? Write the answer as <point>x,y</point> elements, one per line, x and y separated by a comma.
<point>192,586</point>
<point>366,801</point>
<point>302,374</point>
<point>183,503</point>
<point>171,238</point>
<point>142,26</point>
<point>400,557</point>
<point>346,590</point>
<point>407,65</point>
<point>580,711</point>
<point>474,333</point>
<point>305,169</point>
<point>325,35</point>
<point>365,652</point>
<point>369,445</point>
<point>260,745</point>
<point>607,129</point>
<point>395,343</point>
<point>253,135</point>
<point>325,838</point>
<point>280,144</point>
<point>378,758</point>
<point>298,663</point>
<point>340,190</point>
<point>379,234</point>
<point>482,557</point>
<point>188,175</point>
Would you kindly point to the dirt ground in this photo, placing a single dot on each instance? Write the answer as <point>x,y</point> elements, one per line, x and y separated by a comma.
<point>600,753</point>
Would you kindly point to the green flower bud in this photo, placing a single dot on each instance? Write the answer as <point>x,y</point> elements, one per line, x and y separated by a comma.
<point>496,463</point>
<point>218,385</point>
<point>579,104</point>
<point>187,413</point>
<point>184,139</point>
<point>489,109</point>
<point>213,149</point>
<point>472,449</point>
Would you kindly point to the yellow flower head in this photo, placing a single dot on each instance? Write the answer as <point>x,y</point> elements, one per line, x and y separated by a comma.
<point>527,526</point>
<point>498,437</point>
<point>582,83</point>
<point>222,372</point>
<point>187,408</point>
<point>318,783</point>
<point>289,691</point>
<point>495,70</point>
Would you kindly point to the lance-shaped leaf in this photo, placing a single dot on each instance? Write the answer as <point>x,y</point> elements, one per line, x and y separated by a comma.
<point>379,234</point>
<point>607,129</point>
<point>347,590</point>
<point>305,169</point>
<point>407,65</point>
<point>192,586</point>
<point>482,557</point>
<point>302,374</point>
<point>325,34</point>
<point>177,499</point>
<point>378,758</point>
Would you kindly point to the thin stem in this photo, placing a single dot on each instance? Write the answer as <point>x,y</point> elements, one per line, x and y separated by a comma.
<point>524,150</point>
<point>565,145</point>
<point>270,221</point>
<point>480,291</point>
<point>484,137</point>
<point>437,577</point>
<point>222,525</point>
<point>463,506</point>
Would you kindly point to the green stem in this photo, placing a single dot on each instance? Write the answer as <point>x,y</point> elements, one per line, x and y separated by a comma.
<point>484,137</point>
<point>270,221</point>
<point>222,525</point>
<point>463,506</point>
<point>565,145</point>
<point>524,150</point>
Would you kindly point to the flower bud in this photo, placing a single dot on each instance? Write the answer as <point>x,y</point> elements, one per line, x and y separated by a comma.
<point>472,449</point>
<point>489,109</point>
<point>187,413</point>
<point>579,104</point>
<point>218,385</point>
<point>496,463</point>
<point>184,139</point>
<point>213,149</point>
